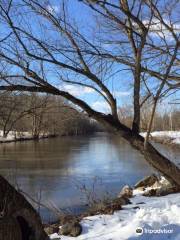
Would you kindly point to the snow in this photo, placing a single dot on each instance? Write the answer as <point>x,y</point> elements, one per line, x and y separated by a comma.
<point>13,136</point>
<point>159,217</point>
<point>10,137</point>
<point>176,141</point>
<point>173,136</point>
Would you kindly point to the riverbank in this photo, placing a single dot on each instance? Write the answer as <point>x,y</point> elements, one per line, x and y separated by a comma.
<point>165,137</point>
<point>157,216</point>
<point>152,217</point>
<point>26,136</point>
<point>19,137</point>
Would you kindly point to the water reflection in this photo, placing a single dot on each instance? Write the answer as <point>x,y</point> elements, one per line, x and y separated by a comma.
<point>56,166</point>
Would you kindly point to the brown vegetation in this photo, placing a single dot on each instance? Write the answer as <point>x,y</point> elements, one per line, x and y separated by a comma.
<point>41,114</point>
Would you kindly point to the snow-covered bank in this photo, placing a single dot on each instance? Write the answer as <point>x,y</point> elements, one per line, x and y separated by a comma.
<point>171,137</point>
<point>159,218</point>
<point>14,136</point>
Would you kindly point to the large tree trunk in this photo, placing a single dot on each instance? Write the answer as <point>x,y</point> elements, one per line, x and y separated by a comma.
<point>18,219</point>
<point>153,157</point>
<point>157,160</point>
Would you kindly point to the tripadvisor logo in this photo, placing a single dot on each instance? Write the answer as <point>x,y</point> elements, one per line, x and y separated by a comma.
<point>139,231</point>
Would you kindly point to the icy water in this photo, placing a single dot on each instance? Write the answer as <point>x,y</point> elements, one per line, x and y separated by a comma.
<point>56,171</point>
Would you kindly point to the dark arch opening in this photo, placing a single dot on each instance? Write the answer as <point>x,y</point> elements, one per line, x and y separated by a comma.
<point>26,230</point>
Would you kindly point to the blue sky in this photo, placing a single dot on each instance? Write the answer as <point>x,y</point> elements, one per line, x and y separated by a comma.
<point>120,84</point>
<point>123,92</point>
<point>122,87</point>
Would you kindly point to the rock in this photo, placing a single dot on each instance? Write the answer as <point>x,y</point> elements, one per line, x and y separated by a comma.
<point>140,189</point>
<point>48,230</point>
<point>126,191</point>
<point>72,229</point>
<point>165,190</point>
<point>156,185</point>
<point>136,207</point>
<point>66,218</point>
<point>150,193</point>
<point>147,181</point>
<point>163,181</point>
<point>124,200</point>
<point>51,229</point>
<point>113,206</point>
<point>161,187</point>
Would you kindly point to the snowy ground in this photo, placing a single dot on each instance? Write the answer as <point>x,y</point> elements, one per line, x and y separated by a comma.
<point>171,136</point>
<point>13,136</point>
<point>159,218</point>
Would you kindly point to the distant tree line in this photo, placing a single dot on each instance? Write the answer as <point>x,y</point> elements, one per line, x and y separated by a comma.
<point>164,120</point>
<point>41,114</point>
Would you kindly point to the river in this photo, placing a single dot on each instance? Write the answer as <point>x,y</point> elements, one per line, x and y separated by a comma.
<point>57,171</point>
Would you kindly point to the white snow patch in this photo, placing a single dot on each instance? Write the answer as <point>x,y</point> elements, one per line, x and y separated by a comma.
<point>154,213</point>
<point>12,136</point>
<point>174,136</point>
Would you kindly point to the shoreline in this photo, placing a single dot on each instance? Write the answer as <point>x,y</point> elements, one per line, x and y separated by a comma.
<point>30,138</point>
<point>142,208</point>
<point>165,141</point>
<point>22,139</point>
<point>147,213</point>
<point>170,138</point>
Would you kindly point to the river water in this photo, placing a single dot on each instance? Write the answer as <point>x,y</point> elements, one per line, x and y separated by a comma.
<point>60,172</point>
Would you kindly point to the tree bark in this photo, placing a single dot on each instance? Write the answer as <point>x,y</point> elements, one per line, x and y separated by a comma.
<point>153,157</point>
<point>22,221</point>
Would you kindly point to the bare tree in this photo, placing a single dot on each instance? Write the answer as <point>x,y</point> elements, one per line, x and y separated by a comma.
<point>60,46</point>
<point>14,108</point>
